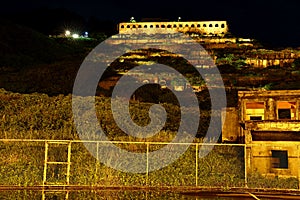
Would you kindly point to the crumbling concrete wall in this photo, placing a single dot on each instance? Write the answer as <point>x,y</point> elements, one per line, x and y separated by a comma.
<point>271,134</point>
<point>264,58</point>
<point>270,100</point>
<point>261,159</point>
<point>230,128</point>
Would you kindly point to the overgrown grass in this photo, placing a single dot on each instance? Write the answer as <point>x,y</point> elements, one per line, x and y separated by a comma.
<point>92,194</point>
<point>256,180</point>
<point>50,117</point>
<point>38,116</point>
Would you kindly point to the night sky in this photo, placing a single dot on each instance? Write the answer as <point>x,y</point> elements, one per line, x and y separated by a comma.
<point>274,22</point>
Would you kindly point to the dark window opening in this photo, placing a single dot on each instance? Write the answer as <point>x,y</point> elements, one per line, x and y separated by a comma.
<point>284,113</point>
<point>255,117</point>
<point>180,25</point>
<point>163,26</point>
<point>204,25</point>
<point>169,26</point>
<point>140,26</point>
<point>198,25</point>
<point>157,26</point>
<point>122,26</point>
<point>192,25</point>
<point>223,26</point>
<point>210,25</point>
<point>217,25</point>
<point>186,25</point>
<point>146,26</point>
<point>151,26</point>
<point>133,26</point>
<point>128,26</point>
<point>286,110</point>
<point>280,159</point>
<point>174,26</point>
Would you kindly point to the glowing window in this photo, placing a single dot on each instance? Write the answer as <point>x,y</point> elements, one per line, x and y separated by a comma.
<point>255,111</point>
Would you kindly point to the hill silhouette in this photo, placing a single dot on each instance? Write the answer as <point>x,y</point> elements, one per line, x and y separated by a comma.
<point>21,46</point>
<point>32,62</point>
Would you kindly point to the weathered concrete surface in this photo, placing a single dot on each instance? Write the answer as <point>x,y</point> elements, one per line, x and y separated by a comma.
<point>265,132</point>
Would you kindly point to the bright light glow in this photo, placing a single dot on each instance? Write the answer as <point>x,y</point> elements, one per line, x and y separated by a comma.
<point>75,35</point>
<point>68,33</point>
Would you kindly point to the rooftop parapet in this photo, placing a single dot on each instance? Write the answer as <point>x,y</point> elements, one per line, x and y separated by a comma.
<point>213,28</point>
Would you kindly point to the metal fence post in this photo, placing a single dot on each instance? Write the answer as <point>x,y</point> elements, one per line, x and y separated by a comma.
<point>45,163</point>
<point>298,174</point>
<point>197,157</point>
<point>147,164</point>
<point>69,162</point>
<point>97,162</point>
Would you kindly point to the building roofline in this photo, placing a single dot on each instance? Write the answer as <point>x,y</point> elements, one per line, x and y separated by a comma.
<point>270,93</point>
<point>174,22</point>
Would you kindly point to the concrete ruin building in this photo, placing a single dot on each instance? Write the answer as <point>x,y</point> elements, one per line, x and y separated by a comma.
<point>209,28</point>
<point>263,58</point>
<point>212,35</point>
<point>268,122</point>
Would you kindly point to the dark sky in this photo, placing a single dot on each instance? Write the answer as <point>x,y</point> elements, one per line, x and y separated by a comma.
<point>276,22</point>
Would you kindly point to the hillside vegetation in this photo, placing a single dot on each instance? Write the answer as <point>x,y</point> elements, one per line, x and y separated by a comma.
<point>33,62</point>
<point>37,75</point>
<point>21,47</point>
<point>41,116</point>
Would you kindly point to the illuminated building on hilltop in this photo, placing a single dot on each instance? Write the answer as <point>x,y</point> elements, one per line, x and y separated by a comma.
<point>208,28</point>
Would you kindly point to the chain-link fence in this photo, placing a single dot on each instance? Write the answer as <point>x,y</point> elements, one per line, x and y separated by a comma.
<point>49,162</point>
<point>68,162</point>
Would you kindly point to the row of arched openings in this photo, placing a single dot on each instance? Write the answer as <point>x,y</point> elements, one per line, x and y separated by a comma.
<point>173,26</point>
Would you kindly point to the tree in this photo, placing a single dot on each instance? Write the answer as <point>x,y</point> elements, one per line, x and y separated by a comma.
<point>296,64</point>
